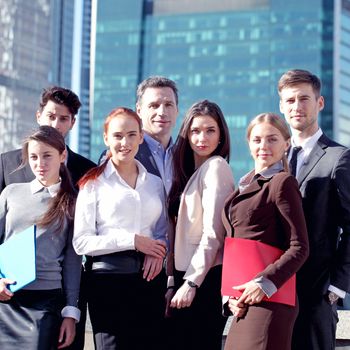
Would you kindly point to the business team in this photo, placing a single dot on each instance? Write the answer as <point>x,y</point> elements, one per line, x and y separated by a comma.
<point>307,217</point>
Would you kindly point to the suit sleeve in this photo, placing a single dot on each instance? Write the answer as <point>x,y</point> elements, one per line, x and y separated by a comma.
<point>160,230</point>
<point>340,275</point>
<point>71,271</point>
<point>290,211</point>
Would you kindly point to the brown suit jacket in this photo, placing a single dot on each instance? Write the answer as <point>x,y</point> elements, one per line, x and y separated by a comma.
<point>270,210</point>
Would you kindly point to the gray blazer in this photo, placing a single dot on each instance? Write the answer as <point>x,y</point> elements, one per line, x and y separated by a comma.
<point>324,182</point>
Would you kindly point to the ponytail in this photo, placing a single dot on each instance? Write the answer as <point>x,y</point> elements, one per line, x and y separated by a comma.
<point>285,163</point>
<point>62,206</point>
<point>95,172</point>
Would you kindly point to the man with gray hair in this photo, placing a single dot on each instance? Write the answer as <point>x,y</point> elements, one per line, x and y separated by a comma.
<point>157,106</point>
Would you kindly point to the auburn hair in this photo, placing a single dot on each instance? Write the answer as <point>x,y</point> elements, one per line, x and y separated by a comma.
<point>95,172</point>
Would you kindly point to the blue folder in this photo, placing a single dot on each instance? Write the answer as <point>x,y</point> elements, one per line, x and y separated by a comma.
<point>17,259</point>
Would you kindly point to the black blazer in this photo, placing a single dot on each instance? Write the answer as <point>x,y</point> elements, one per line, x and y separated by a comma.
<point>10,161</point>
<point>324,182</point>
<point>144,156</point>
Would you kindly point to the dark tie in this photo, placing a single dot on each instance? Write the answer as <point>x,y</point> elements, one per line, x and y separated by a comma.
<point>294,159</point>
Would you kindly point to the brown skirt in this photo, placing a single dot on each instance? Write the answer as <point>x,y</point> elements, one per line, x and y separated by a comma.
<point>266,326</point>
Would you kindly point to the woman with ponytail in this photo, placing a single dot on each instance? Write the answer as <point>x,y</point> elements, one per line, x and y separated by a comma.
<point>43,314</point>
<point>120,224</point>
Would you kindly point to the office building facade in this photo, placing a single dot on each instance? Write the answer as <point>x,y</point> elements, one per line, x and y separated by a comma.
<point>37,50</point>
<point>229,51</point>
<point>25,57</point>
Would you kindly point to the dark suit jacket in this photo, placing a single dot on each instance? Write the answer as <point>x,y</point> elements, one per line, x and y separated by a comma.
<point>144,155</point>
<point>269,210</point>
<point>10,161</point>
<point>324,182</point>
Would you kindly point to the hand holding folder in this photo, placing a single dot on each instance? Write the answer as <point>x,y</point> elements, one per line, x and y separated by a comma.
<point>244,259</point>
<point>17,259</point>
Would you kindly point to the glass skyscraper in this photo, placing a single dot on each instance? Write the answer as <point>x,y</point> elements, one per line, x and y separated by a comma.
<point>231,52</point>
<point>36,50</point>
<point>25,56</point>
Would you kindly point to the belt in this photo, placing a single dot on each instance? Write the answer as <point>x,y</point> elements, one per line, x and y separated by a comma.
<point>128,261</point>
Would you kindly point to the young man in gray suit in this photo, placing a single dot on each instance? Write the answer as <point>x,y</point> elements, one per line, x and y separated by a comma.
<point>322,168</point>
<point>57,108</point>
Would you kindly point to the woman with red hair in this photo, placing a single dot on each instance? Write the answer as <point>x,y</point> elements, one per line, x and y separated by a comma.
<point>120,225</point>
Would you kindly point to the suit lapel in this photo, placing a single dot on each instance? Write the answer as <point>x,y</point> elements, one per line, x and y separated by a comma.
<point>144,155</point>
<point>70,159</point>
<point>236,197</point>
<point>24,174</point>
<point>316,154</point>
<point>28,174</point>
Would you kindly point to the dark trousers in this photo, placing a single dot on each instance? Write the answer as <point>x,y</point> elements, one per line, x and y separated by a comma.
<point>79,340</point>
<point>31,320</point>
<point>201,325</point>
<point>315,326</point>
<point>126,311</point>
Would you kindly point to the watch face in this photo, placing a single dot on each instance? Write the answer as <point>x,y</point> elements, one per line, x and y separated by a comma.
<point>191,284</point>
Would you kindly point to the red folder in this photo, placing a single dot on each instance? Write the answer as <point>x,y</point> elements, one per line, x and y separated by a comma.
<point>244,259</point>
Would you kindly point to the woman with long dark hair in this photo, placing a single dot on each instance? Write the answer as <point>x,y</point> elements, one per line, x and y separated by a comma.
<point>121,225</point>
<point>31,318</point>
<point>202,181</point>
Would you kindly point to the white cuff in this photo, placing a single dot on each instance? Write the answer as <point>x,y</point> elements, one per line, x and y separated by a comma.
<point>72,312</point>
<point>339,292</point>
<point>171,282</point>
<point>267,286</point>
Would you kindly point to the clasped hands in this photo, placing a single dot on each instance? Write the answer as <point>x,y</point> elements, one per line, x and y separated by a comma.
<point>251,294</point>
<point>154,251</point>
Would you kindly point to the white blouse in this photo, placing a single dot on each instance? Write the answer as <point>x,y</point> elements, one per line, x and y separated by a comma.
<point>109,212</point>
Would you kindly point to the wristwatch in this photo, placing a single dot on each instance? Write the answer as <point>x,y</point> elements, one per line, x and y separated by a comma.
<point>191,284</point>
<point>333,298</point>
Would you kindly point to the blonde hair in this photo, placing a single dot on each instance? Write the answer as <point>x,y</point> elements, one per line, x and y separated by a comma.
<point>277,122</point>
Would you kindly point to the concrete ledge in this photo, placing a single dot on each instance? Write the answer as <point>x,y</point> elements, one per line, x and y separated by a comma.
<point>343,327</point>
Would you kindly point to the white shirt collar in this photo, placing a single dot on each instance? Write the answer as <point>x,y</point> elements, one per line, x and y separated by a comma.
<point>110,170</point>
<point>267,173</point>
<point>37,186</point>
<point>309,143</point>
